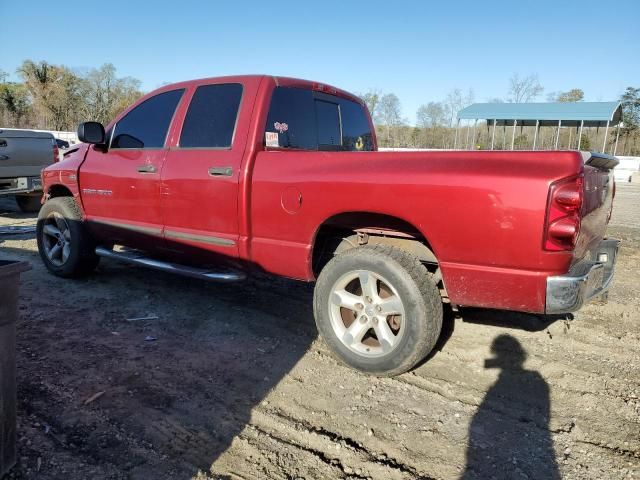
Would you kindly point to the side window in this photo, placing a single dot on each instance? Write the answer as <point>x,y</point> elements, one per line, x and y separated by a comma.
<point>211,118</point>
<point>146,126</point>
<point>328,120</point>
<point>356,132</point>
<point>292,118</point>
<point>308,120</point>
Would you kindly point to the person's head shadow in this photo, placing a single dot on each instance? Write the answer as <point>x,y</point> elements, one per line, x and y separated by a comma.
<point>509,435</point>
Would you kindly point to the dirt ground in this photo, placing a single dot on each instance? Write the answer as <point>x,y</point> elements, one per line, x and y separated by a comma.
<point>231,382</point>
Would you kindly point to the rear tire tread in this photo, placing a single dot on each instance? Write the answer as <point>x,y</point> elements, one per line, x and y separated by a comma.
<point>427,288</point>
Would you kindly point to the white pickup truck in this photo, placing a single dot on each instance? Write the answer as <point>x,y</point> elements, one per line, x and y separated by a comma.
<point>23,155</point>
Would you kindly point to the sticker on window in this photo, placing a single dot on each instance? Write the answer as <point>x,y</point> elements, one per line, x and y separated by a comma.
<point>281,127</point>
<point>271,139</point>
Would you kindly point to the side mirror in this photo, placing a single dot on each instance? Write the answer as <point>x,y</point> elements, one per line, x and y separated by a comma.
<point>91,132</point>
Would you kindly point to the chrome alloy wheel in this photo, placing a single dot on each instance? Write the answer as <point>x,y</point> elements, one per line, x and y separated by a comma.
<point>56,239</point>
<point>366,313</point>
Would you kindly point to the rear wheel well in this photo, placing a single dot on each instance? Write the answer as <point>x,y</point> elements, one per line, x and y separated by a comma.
<point>350,230</point>
<point>58,191</point>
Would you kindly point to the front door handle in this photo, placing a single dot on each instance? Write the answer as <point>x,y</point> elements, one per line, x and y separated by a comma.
<point>146,168</point>
<point>221,171</point>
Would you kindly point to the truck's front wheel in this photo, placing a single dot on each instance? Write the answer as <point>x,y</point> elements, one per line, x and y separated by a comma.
<point>378,309</point>
<point>65,245</point>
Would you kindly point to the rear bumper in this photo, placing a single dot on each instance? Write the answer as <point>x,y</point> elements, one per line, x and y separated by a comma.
<point>11,186</point>
<point>586,280</point>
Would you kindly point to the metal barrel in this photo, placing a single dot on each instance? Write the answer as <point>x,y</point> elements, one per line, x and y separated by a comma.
<point>9,287</point>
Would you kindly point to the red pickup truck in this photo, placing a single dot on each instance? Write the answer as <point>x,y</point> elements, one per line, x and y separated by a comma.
<point>217,177</point>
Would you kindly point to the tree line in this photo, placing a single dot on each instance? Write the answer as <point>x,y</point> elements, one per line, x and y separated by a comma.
<point>56,97</point>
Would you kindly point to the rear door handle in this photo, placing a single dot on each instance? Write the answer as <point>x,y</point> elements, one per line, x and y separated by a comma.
<point>146,168</point>
<point>221,171</point>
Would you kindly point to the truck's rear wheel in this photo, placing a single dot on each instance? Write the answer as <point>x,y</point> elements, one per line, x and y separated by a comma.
<point>378,309</point>
<point>65,245</point>
<point>28,203</point>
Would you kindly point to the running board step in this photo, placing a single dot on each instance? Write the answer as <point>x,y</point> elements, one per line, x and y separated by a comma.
<point>131,256</point>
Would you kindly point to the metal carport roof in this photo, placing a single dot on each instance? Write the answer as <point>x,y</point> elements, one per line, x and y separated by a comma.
<point>573,114</point>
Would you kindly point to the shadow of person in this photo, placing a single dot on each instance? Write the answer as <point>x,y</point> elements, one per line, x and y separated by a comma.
<point>509,436</point>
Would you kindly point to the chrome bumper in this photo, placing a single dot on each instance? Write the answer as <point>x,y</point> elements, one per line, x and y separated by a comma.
<point>586,280</point>
<point>11,186</point>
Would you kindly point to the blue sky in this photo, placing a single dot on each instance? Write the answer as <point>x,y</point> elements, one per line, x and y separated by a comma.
<point>417,50</point>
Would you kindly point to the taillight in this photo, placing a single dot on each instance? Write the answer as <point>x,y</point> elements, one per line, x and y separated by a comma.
<point>563,215</point>
<point>56,152</point>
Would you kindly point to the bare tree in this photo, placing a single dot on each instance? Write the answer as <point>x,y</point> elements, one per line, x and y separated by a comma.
<point>106,95</point>
<point>371,100</point>
<point>522,90</point>
<point>390,113</point>
<point>453,104</point>
<point>431,115</point>
<point>470,98</point>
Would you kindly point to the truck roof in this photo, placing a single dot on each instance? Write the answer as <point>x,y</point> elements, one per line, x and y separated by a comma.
<point>21,133</point>
<point>278,80</point>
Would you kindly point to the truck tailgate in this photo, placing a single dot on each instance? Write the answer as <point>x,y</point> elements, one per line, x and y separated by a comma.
<point>598,191</point>
<point>24,153</point>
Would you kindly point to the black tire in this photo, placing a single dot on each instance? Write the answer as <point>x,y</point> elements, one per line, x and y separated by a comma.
<point>414,286</point>
<point>81,258</point>
<point>28,203</point>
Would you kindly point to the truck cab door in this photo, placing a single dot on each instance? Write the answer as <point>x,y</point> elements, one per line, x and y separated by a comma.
<point>120,185</point>
<point>201,175</point>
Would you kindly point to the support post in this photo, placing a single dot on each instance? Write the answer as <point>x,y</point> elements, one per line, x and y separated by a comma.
<point>615,148</point>
<point>558,135</point>
<point>455,141</point>
<point>604,144</point>
<point>580,134</point>
<point>535,134</point>
<point>493,135</point>
<point>513,135</point>
<point>473,140</point>
<point>466,143</point>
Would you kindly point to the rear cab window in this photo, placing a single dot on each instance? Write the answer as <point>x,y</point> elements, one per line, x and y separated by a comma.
<point>309,120</point>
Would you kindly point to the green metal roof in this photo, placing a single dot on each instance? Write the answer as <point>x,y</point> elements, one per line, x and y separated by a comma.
<point>593,114</point>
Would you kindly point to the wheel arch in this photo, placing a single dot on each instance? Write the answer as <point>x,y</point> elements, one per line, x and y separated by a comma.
<point>58,190</point>
<point>351,229</point>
